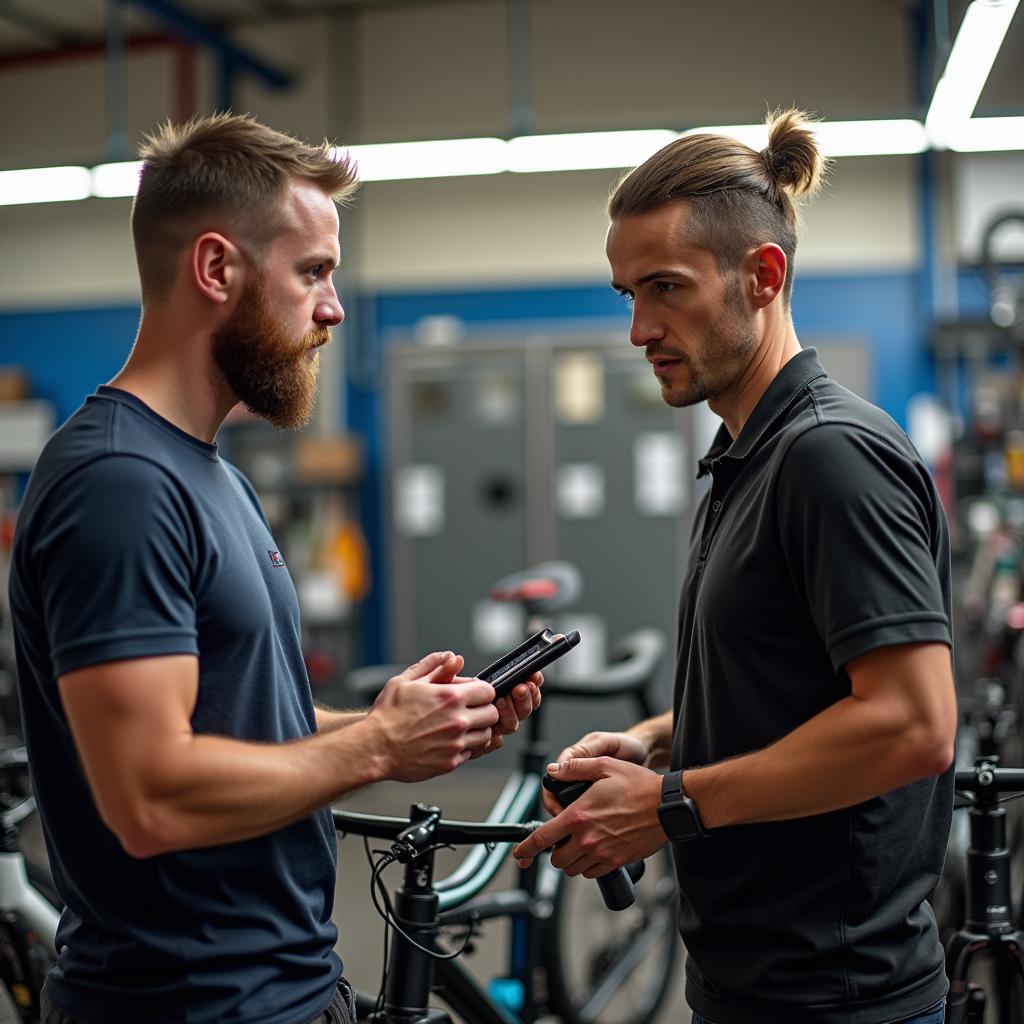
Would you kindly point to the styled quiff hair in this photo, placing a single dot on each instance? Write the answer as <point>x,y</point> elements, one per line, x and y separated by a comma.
<point>224,172</point>
<point>738,198</point>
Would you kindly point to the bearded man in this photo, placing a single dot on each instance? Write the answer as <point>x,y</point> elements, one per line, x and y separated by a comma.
<point>182,771</point>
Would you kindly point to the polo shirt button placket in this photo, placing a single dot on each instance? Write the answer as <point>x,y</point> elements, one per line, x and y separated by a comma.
<point>716,506</point>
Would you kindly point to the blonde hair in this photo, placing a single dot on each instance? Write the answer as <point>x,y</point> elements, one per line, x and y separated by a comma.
<point>226,172</point>
<point>738,198</point>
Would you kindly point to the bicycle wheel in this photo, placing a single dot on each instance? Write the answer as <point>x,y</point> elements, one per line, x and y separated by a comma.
<point>613,968</point>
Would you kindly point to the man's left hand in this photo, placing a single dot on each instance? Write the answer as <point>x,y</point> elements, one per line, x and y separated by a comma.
<point>518,705</point>
<point>614,823</point>
<point>524,699</point>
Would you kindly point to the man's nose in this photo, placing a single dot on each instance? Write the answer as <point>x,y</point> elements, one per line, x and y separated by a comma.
<point>643,330</point>
<point>329,311</point>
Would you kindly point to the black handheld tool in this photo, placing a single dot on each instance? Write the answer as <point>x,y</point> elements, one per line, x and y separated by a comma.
<point>617,886</point>
<point>530,656</point>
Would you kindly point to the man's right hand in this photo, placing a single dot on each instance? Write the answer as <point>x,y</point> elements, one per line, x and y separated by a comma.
<point>426,729</point>
<point>623,746</point>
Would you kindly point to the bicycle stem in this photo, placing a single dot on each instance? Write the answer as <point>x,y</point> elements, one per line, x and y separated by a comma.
<point>988,897</point>
<point>411,973</point>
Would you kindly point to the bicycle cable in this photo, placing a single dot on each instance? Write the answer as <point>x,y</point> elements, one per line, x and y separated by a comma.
<point>958,795</point>
<point>388,913</point>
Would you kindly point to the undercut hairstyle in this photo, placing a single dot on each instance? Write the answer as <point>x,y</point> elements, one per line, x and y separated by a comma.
<point>223,172</point>
<point>738,198</point>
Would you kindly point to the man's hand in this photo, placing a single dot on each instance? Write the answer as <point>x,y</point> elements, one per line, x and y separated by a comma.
<point>622,746</point>
<point>614,823</point>
<point>523,700</point>
<point>430,720</point>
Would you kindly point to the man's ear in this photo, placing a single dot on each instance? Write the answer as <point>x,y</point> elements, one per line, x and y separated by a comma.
<point>216,266</point>
<point>766,266</point>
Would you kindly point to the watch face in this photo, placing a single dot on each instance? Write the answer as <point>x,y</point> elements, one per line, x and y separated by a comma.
<point>679,819</point>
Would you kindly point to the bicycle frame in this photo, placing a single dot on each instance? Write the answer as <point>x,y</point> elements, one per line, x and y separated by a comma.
<point>17,894</point>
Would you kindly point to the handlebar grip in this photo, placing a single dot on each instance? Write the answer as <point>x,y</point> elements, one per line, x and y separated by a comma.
<point>617,886</point>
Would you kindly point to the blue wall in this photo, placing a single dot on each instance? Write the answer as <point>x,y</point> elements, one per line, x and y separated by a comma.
<point>68,352</point>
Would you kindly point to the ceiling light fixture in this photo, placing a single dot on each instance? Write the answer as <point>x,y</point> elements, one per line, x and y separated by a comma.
<point>583,151</point>
<point>443,158</point>
<point>988,134</point>
<point>970,60</point>
<point>111,181</point>
<point>44,185</point>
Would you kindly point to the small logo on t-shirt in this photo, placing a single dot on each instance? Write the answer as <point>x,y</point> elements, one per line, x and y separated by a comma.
<point>276,559</point>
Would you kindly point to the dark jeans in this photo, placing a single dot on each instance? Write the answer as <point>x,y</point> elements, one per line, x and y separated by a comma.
<point>340,1010</point>
<point>933,1015</point>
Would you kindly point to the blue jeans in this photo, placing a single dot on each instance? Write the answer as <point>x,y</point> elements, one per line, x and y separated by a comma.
<point>933,1015</point>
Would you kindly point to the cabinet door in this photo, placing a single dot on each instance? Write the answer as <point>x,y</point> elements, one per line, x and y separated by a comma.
<point>459,494</point>
<point>622,475</point>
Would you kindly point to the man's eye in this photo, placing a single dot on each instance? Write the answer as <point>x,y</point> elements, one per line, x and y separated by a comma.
<point>315,271</point>
<point>627,298</point>
<point>664,287</point>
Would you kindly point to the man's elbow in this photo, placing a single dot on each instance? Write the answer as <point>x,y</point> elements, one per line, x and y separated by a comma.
<point>932,749</point>
<point>143,831</point>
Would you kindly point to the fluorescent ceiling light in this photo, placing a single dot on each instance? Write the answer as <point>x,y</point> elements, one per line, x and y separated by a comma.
<point>583,151</point>
<point>839,138</point>
<point>441,159</point>
<point>870,138</point>
<point>988,134</point>
<point>44,185</point>
<point>970,61</point>
<point>109,181</point>
<point>753,135</point>
<point>533,153</point>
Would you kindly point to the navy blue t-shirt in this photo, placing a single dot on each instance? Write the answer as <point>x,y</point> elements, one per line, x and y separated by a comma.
<point>136,540</point>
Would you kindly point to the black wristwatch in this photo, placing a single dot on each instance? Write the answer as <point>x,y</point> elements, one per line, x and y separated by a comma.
<point>678,813</point>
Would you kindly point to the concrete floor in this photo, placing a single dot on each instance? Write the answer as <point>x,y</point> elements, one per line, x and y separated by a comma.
<point>467,795</point>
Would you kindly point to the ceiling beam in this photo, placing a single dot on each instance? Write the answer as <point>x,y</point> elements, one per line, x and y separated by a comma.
<point>50,29</point>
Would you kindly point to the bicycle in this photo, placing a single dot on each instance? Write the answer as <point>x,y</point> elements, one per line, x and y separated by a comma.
<point>419,965</point>
<point>991,923</point>
<point>28,901</point>
<point>585,974</point>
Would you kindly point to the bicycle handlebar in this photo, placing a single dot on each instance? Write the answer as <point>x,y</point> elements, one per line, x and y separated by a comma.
<point>634,662</point>
<point>988,777</point>
<point>454,833</point>
<point>479,869</point>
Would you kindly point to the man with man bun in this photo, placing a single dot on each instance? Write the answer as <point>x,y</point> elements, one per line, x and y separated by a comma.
<point>182,771</point>
<point>810,743</point>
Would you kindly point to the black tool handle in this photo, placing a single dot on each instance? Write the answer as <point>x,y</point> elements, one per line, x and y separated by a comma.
<point>616,887</point>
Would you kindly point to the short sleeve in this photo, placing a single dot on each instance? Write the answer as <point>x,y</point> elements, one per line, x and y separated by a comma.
<point>113,557</point>
<point>861,529</point>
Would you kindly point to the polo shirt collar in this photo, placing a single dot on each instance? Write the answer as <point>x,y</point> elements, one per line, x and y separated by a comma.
<point>780,394</point>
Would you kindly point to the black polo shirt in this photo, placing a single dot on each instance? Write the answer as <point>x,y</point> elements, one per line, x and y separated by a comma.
<point>821,538</point>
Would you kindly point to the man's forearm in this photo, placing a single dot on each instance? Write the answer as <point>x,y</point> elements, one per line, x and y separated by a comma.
<point>848,753</point>
<point>656,735</point>
<point>210,790</point>
<point>330,719</point>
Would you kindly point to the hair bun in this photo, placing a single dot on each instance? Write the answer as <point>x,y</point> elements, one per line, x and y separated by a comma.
<point>792,158</point>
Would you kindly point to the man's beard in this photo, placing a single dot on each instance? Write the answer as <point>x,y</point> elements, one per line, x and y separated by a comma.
<point>729,341</point>
<point>270,371</point>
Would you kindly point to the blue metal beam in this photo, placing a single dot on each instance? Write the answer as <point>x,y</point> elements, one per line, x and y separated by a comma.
<point>232,56</point>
